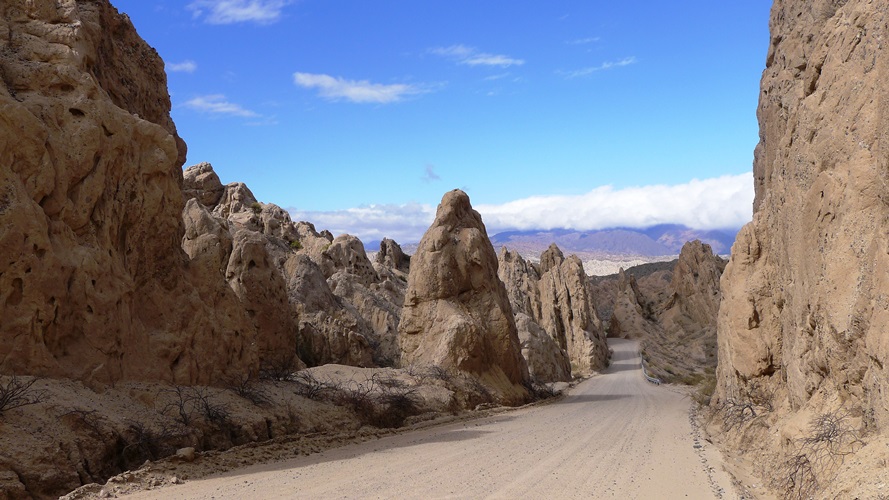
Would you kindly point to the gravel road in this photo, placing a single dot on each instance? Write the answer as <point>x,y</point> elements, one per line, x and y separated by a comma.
<point>613,436</point>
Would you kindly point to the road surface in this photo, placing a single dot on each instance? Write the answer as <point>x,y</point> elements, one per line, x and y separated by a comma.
<point>614,436</point>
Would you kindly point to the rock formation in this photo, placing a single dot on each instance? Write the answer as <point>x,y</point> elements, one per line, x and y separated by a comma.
<point>456,312</point>
<point>266,260</point>
<point>805,311</point>
<point>628,316</point>
<point>671,308</point>
<point>568,314</point>
<point>94,285</point>
<point>556,299</point>
<point>392,256</point>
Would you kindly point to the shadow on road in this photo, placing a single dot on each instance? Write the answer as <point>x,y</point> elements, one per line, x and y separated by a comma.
<point>593,398</point>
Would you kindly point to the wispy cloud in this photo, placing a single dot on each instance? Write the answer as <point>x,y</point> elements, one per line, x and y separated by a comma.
<point>238,11</point>
<point>583,41</point>
<point>402,223</point>
<point>717,203</point>
<point>602,67</point>
<point>187,66</point>
<point>217,104</point>
<point>472,57</point>
<point>361,91</point>
<point>429,175</point>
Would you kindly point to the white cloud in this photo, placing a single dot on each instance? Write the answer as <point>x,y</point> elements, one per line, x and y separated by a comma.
<point>217,104</point>
<point>602,67</point>
<point>362,91</point>
<point>719,203</point>
<point>722,202</point>
<point>583,41</point>
<point>187,66</point>
<point>472,57</point>
<point>238,11</point>
<point>402,223</point>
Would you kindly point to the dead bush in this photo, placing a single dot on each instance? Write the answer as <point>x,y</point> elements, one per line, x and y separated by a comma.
<point>280,368</point>
<point>754,402</point>
<point>248,388</point>
<point>816,457</point>
<point>18,392</point>
<point>308,385</point>
<point>143,441</point>
<point>188,402</point>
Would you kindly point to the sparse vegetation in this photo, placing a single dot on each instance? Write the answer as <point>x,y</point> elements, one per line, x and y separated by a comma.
<point>816,456</point>
<point>256,207</point>
<point>279,368</point>
<point>18,392</point>
<point>296,245</point>
<point>188,402</point>
<point>248,388</point>
<point>754,402</point>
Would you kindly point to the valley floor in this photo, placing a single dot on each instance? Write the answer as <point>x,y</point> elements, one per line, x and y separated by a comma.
<point>613,436</point>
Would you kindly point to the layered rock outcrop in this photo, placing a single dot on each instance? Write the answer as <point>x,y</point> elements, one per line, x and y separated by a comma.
<point>805,311</point>
<point>555,298</point>
<point>456,312</point>
<point>93,284</point>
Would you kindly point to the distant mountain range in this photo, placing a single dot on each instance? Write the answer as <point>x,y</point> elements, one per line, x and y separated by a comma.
<point>660,240</point>
<point>655,241</point>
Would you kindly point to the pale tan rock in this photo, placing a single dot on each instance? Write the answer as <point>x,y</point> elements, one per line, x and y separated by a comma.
<point>568,314</point>
<point>456,312</point>
<point>627,316</point>
<point>547,362</point>
<point>200,181</point>
<point>522,283</point>
<point>346,253</point>
<point>330,330</point>
<point>391,255</point>
<point>805,312</point>
<point>262,291</point>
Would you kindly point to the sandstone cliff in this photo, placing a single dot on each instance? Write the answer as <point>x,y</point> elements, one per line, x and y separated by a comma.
<point>805,314</point>
<point>456,312</point>
<point>94,285</point>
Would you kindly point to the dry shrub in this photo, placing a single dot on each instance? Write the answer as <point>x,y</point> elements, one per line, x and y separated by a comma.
<point>17,392</point>
<point>816,457</point>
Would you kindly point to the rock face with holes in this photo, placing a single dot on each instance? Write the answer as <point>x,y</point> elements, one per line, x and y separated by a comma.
<point>805,309</point>
<point>93,283</point>
<point>456,311</point>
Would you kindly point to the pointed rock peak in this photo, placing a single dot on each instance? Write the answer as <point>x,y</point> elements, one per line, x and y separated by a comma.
<point>456,211</point>
<point>551,257</point>
<point>391,255</point>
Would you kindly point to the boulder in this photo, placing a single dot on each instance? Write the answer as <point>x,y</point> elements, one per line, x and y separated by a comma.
<point>200,181</point>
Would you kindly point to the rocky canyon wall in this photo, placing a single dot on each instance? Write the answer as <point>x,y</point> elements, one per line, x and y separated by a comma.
<point>804,321</point>
<point>93,282</point>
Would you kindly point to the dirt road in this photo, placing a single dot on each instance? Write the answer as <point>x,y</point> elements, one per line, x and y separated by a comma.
<point>614,436</point>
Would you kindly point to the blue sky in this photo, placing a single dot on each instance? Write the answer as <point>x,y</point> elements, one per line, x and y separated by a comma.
<point>359,115</point>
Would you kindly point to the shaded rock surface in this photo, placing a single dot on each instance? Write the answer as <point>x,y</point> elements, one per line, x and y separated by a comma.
<point>805,313</point>
<point>93,284</point>
<point>456,311</point>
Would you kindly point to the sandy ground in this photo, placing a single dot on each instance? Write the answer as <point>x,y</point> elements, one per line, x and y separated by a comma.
<point>613,436</point>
